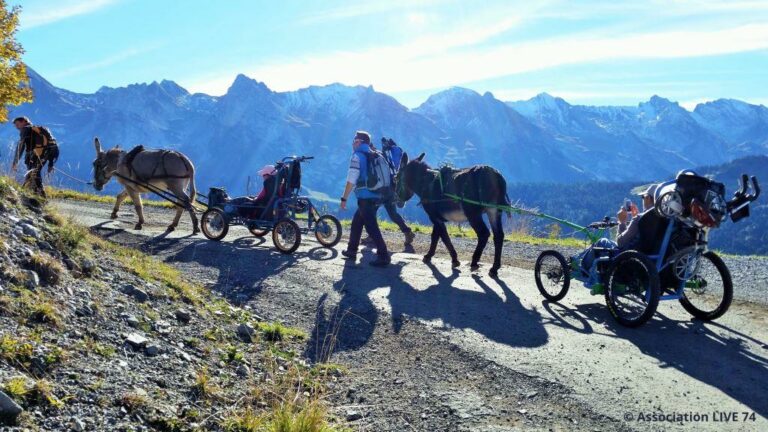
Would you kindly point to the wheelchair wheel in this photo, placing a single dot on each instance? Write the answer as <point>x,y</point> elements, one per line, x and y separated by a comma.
<point>214,224</point>
<point>258,232</point>
<point>553,277</point>
<point>708,295</point>
<point>328,230</point>
<point>632,292</point>
<point>286,235</point>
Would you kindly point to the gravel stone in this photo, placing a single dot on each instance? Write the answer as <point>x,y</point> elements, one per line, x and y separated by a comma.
<point>8,407</point>
<point>136,340</point>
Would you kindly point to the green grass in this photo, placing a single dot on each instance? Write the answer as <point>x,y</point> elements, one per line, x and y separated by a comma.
<point>275,331</point>
<point>285,417</point>
<point>204,387</point>
<point>17,388</point>
<point>57,193</point>
<point>457,231</point>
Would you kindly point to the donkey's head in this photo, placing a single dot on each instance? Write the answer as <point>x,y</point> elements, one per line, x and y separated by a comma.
<point>408,176</point>
<point>104,165</point>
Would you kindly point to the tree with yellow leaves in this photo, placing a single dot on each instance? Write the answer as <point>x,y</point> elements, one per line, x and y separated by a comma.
<point>14,82</point>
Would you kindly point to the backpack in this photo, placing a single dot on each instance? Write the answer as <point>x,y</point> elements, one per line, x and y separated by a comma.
<point>43,144</point>
<point>379,174</point>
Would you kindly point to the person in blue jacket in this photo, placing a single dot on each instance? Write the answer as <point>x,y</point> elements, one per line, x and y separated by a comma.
<point>393,153</point>
<point>368,202</point>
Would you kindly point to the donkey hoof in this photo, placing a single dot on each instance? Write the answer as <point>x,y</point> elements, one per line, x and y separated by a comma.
<point>427,258</point>
<point>455,263</point>
<point>196,231</point>
<point>170,229</point>
<point>113,216</point>
<point>494,273</point>
<point>137,227</point>
<point>474,267</point>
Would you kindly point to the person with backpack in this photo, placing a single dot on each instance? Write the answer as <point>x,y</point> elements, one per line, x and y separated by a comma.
<point>393,153</point>
<point>368,177</point>
<point>39,147</point>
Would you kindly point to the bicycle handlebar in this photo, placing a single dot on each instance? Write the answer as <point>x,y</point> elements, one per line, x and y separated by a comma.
<point>297,158</point>
<point>603,224</point>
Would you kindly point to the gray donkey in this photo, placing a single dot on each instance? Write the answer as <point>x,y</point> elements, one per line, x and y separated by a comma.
<point>163,169</point>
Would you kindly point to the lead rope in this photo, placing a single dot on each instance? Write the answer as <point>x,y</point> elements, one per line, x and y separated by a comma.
<point>72,177</point>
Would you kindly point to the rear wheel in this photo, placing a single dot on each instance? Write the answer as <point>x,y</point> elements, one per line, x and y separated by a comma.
<point>632,292</point>
<point>553,277</point>
<point>708,294</point>
<point>328,230</point>
<point>286,235</point>
<point>214,224</point>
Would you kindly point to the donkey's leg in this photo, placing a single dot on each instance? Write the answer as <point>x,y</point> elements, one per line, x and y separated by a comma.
<point>432,243</point>
<point>136,198</point>
<point>494,217</point>
<point>118,201</point>
<point>475,219</point>
<point>447,242</point>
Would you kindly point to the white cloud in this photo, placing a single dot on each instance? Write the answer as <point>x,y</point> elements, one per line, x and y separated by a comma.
<point>442,60</point>
<point>355,67</point>
<point>105,62</point>
<point>62,9</point>
<point>362,9</point>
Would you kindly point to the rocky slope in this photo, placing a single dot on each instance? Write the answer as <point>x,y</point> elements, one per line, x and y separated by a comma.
<point>99,337</point>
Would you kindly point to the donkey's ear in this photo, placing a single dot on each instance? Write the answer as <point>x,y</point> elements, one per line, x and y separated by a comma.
<point>97,144</point>
<point>421,157</point>
<point>404,160</point>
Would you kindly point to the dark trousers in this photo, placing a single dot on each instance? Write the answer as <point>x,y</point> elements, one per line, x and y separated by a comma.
<point>34,178</point>
<point>395,217</point>
<point>365,216</point>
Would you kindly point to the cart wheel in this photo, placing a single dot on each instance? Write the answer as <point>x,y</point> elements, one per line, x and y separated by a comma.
<point>258,232</point>
<point>553,277</point>
<point>328,230</point>
<point>286,235</point>
<point>632,292</point>
<point>708,294</point>
<point>214,224</point>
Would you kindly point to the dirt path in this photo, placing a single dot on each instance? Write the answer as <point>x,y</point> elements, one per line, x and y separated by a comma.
<point>435,349</point>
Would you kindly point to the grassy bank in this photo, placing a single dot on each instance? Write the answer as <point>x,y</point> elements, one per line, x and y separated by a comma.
<point>253,383</point>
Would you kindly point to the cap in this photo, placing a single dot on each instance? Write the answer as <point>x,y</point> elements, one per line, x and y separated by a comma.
<point>363,136</point>
<point>267,170</point>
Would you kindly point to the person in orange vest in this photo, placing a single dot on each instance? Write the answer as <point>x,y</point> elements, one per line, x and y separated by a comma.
<point>39,147</point>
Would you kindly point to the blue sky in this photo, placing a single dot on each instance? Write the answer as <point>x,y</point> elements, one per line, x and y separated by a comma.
<point>588,52</point>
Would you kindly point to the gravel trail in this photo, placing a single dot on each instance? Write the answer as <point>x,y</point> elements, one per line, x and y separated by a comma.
<point>436,349</point>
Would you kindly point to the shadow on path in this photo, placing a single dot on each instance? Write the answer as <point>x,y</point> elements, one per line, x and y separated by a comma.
<point>723,361</point>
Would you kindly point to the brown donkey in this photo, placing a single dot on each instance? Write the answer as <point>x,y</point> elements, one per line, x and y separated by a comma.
<point>163,169</point>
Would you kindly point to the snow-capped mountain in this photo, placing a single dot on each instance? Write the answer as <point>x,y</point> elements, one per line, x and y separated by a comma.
<point>544,139</point>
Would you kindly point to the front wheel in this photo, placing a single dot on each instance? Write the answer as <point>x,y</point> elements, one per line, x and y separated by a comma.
<point>553,277</point>
<point>632,292</point>
<point>214,224</point>
<point>286,235</point>
<point>328,231</point>
<point>708,294</point>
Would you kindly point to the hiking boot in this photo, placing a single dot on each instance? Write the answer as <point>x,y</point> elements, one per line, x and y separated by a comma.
<point>352,256</point>
<point>380,262</point>
<point>409,237</point>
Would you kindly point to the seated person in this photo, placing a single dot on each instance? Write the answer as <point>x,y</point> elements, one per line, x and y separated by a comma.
<point>630,234</point>
<point>268,175</point>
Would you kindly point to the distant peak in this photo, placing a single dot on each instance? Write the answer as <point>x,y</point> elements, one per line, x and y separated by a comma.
<point>244,83</point>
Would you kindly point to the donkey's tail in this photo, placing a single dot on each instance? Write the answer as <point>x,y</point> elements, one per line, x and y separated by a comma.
<point>508,203</point>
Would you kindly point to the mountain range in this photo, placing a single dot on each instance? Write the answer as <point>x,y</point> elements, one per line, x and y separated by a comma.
<point>544,139</point>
